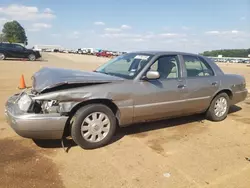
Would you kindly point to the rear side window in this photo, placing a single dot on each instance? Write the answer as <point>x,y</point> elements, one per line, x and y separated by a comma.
<point>196,67</point>
<point>5,45</point>
<point>17,46</point>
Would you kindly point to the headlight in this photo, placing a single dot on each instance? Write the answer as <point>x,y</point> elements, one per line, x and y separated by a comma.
<point>24,102</point>
<point>50,106</point>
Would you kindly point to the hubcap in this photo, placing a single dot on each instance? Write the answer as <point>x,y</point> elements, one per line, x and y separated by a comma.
<point>32,57</point>
<point>220,107</point>
<point>1,56</point>
<point>95,127</point>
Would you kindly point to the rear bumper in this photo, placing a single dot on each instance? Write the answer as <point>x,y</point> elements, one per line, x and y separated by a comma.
<point>239,96</point>
<point>35,126</point>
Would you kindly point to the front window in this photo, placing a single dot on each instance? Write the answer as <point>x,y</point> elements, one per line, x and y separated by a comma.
<point>167,66</point>
<point>126,66</point>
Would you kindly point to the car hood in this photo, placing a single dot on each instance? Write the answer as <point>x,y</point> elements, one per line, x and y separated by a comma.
<point>29,50</point>
<point>48,78</point>
<point>37,53</point>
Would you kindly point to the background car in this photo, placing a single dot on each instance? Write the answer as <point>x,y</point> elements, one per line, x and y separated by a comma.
<point>103,54</point>
<point>8,50</point>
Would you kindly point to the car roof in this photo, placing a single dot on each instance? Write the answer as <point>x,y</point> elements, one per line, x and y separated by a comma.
<point>152,52</point>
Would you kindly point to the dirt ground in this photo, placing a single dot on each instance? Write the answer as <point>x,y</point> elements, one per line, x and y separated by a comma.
<point>185,152</point>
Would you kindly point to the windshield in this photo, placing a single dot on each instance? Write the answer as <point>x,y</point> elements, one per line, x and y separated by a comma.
<point>126,66</point>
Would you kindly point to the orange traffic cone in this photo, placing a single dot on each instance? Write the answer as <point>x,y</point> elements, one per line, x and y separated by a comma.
<point>22,83</point>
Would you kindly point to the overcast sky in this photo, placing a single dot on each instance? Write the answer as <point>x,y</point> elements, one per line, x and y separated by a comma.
<point>182,25</point>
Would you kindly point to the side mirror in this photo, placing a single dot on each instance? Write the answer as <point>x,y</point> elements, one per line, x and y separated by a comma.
<point>152,75</point>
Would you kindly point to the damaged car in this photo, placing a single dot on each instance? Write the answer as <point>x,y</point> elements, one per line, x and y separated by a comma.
<point>131,88</point>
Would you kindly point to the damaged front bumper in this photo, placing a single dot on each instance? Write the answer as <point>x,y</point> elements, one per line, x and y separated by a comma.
<point>33,125</point>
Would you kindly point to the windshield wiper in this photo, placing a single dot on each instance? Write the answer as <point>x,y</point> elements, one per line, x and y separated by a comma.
<point>100,72</point>
<point>103,72</point>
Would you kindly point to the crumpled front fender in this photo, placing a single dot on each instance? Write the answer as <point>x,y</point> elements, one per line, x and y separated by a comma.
<point>64,96</point>
<point>69,99</point>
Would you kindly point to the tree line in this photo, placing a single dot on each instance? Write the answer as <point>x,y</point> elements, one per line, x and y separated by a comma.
<point>13,32</point>
<point>228,53</point>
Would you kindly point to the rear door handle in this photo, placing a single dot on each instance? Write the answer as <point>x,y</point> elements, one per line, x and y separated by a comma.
<point>181,86</point>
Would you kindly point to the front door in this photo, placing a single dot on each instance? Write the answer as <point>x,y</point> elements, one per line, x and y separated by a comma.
<point>159,99</point>
<point>201,84</point>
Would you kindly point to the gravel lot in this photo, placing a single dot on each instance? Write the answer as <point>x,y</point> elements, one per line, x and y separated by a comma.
<point>184,152</point>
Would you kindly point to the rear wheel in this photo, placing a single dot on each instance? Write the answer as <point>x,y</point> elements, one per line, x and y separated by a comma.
<point>219,108</point>
<point>32,57</point>
<point>94,126</point>
<point>2,56</point>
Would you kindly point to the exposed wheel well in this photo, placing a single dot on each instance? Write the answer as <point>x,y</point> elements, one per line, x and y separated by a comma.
<point>106,102</point>
<point>227,91</point>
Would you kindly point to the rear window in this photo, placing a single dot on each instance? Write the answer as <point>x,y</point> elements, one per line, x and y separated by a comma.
<point>17,46</point>
<point>5,45</point>
<point>196,67</point>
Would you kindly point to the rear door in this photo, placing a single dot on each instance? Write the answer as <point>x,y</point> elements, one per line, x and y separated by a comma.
<point>6,48</point>
<point>18,51</point>
<point>201,84</point>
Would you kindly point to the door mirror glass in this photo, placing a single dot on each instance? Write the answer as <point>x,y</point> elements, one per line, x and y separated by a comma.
<point>151,75</point>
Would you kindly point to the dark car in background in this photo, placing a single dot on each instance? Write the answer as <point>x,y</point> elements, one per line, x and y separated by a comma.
<point>10,50</point>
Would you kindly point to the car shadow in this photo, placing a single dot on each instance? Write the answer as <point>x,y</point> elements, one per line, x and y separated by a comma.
<point>15,59</point>
<point>67,144</point>
<point>162,124</point>
<point>24,59</point>
<point>133,129</point>
<point>234,109</point>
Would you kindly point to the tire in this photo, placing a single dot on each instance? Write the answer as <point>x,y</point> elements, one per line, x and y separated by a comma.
<point>211,114</point>
<point>2,56</point>
<point>32,57</point>
<point>89,137</point>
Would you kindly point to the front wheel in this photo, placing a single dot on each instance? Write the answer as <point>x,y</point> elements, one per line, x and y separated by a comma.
<point>94,126</point>
<point>32,57</point>
<point>219,108</point>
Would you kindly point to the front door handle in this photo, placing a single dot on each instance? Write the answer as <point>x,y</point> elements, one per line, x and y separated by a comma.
<point>181,86</point>
<point>214,83</point>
